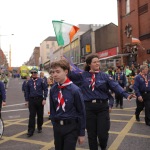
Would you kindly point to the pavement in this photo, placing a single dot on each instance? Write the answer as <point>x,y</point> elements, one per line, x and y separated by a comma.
<point>125,132</point>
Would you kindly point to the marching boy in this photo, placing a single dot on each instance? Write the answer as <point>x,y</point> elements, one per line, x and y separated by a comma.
<point>67,110</point>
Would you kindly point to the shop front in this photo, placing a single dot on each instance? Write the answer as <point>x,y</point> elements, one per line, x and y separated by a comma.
<point>109,58</point>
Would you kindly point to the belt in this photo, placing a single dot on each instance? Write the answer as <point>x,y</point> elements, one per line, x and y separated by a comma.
<point>98,101</point>
<point>37,97</point>
<point>148,92</point>
<point>66,122</point>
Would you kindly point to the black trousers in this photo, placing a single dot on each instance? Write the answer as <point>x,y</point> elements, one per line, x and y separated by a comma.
<point>65,136</point>
<point>119,99</point>
<point>0,105</point>
<point>97,124</point>
<point>146,98</point>
<point>35,108</point>
<point>139,107</point>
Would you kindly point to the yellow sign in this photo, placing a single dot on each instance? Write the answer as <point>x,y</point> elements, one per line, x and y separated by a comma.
<point>88,49</point>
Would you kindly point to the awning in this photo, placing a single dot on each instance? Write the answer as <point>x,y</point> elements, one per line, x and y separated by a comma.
<point>110,53</point>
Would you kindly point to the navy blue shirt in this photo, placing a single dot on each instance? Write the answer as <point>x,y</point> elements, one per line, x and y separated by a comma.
<point>102,85</point>
<point>2,92</point>
<point>44,80</point>
<point>140,86</point>
<point>74,108</point>
<point>122,81</point>
<point>24,85</point>
<point>40,91</point>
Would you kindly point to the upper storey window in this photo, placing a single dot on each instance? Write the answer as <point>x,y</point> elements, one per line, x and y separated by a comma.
<point>127,6</point>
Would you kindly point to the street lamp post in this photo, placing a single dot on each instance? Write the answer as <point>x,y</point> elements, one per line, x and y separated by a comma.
<point>9,48</point>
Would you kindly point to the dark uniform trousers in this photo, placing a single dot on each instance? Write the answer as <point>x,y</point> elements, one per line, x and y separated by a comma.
<point>0,105</point>
<point>139,107</point>
<point>97,124</point>
<point>35,108</point>
<point>66,135</point>
<point>146,99</point>
<point>119,99</point>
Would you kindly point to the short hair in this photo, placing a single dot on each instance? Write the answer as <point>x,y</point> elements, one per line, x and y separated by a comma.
<point>142,67</point>
<point>51,71</point>
<point>62,64</point>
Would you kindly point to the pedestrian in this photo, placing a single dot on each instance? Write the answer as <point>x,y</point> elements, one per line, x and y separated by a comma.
<point>121,79</point>
<point>36,93</point>
<point>47,105</point>
<point>2,96</point>
<point>51,82</point>
<point>67,110</point>
<point>24,87</point>
<point>95,87</point>
<point>5,80</point>
<point>110,71</point>
<point>142,90</point>
<point>43,77</point>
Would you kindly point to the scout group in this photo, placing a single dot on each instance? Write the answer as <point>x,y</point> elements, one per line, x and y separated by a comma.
<point>83,100</point>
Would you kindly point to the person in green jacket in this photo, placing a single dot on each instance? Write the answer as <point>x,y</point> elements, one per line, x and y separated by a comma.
<point>110,71</point>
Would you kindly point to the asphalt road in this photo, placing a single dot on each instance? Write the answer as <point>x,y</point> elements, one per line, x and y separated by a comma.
<point>125,132</point>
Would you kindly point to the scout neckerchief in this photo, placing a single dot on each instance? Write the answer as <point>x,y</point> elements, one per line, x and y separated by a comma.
<point>61,101</point>
<point>145,78</point>
<point>118,76</point>
<point>93,79</point>
<point>34,82</point>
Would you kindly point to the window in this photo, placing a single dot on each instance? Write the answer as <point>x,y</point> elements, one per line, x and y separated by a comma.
<point>83,52</point>
<point>143,9</point>
<point>127,6</point>
<point>53,44</point>
<point>47,46</point>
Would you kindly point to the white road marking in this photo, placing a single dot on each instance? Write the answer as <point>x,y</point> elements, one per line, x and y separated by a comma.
<point>17,116</point>
<point>14,105</point>
<point>15,110</point>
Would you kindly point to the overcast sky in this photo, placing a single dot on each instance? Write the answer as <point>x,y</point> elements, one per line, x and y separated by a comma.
<point>31,21</point>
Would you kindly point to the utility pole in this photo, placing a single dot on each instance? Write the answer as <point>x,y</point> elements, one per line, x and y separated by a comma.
<point>10,56</point>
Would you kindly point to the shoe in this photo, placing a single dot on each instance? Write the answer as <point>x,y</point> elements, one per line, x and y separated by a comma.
<point>29,134</point>
<point>116,105</point>
<point>121,107</point>
<point>137,118</point>
<point>148,123</point>
<point>39,130</point>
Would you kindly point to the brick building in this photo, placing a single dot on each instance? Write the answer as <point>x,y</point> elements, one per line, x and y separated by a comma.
<point>34,59</point>
<point>3,60</point>
<point>134,22</point>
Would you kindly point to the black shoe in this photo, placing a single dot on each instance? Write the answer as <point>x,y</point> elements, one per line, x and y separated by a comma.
<point>39,130</point>
<point>121,107</point>
<point>137,118</point>
<point>29,134</point>
<point>148,123</point>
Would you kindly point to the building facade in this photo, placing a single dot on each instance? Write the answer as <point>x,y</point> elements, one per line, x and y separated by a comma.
<point>134,22</point>
<point>3,59</point>
<point>47,47</point>
<point>106,46</point>
<point>34,59</point>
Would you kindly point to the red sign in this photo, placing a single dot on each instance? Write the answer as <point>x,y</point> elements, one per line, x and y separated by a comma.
<point>108,53</point>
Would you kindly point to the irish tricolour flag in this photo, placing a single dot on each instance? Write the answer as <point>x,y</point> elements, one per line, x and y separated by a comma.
<point>64,32</point>
<point>138,42</point>
<point>135,41</point>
